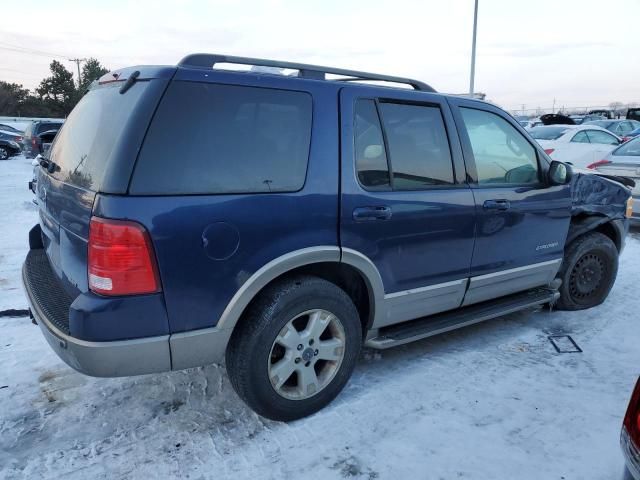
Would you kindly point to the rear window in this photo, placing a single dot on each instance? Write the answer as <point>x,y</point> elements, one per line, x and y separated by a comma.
<point>547,133</point>
<point>213,139</point>
<point>43,127</point>
<point>82,147</point>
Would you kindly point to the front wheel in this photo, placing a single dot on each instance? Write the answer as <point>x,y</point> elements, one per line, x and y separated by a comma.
<point>588,272</point>
<point>295,349</point>
<point>4,153</point>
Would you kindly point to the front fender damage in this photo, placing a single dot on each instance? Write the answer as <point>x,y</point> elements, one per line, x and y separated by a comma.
<point>596,201</point>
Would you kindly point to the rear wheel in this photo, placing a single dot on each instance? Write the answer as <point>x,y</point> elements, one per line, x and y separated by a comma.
<point>295,348</point>
<point>588,272</point>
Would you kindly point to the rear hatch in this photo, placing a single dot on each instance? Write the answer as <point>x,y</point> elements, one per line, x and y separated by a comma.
<point>94,152</point>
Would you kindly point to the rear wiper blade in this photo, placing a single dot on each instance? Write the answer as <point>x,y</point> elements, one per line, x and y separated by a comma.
<point>130,81</point>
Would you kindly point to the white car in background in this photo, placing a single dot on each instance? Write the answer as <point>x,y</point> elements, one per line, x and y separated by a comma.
<point>580,145</point>
<point>624,161</point>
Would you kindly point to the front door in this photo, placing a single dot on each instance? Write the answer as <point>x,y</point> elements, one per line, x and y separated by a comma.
<point>522,220</point>
<point>405,204</point>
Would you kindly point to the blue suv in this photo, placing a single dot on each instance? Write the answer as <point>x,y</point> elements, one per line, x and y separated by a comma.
<point>281,217</point>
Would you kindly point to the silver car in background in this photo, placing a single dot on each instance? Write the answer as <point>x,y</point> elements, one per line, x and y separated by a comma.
<point>624,161</point>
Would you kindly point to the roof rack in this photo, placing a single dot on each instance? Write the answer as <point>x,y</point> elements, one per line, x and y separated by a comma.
<point>316,72</point>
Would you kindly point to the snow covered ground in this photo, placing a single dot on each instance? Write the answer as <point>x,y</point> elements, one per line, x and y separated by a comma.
<point>493,401</point>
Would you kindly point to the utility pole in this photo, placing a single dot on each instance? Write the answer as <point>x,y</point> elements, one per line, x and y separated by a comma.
<point>473,50</point>
<point>77,61</point>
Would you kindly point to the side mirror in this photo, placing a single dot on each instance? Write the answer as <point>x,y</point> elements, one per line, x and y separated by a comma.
<point>559,173</point>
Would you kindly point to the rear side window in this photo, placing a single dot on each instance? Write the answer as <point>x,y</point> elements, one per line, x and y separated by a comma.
<point>43,127</point>
<point>212,139</point>
<point>598,136</point>
<point>418,146</point>
<point>580,137</point>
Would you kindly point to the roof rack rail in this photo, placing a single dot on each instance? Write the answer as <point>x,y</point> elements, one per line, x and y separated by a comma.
<point>317,72</point>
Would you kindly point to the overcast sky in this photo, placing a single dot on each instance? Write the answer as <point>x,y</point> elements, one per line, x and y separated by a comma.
<point>580,52</point>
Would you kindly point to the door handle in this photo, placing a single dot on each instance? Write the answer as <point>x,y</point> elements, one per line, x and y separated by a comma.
<point>366,214</point>
<point>497,204</point>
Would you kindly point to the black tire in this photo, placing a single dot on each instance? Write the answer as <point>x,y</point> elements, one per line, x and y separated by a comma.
<point>588,272</point>
<point>250,346</point>
<point>4,153</point>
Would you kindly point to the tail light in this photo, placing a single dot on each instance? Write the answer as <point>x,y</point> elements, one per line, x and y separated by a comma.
<point>629,210</point>
<point>121,258</point>
<point>626,139</point>
<point>34,142</point>
<point>599,163</point>
<point>631,421</point>
<point>549,151</point>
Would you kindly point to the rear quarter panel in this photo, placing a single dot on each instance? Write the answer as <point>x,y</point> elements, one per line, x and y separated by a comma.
<point>197,287</point>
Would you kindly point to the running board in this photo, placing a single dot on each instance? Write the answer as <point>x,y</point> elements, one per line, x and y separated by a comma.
<point>443,322</point>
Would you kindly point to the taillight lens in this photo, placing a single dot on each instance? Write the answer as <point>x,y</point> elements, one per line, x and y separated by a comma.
<point>629,210</point>
<point>34,142</point>
<point>632,417</point>
<point>549,151</point>
<point>597,164</point>
<point>121,258</point>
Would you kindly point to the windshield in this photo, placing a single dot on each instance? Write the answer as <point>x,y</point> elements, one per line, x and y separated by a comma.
<point>631,148</point>
<point>547,133</point>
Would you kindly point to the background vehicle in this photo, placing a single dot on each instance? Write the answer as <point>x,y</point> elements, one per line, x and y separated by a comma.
<point>580,145</point>
<point>9,144</point>
<point>270,230</point>
<point>607,114</point>
<point>32,143</point>
<point>556,119</point>
<point>633,114</point>
<point>9,128</point>
<point>8,148</point>
<point>624,161</point>
<point>630,435</point>
<point>619,127</point>
<point>631,135</point>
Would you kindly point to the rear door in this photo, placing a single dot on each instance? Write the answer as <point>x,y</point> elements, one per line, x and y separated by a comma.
<point>405,203</point>
<point>104,129</point>
<point>522,221</point>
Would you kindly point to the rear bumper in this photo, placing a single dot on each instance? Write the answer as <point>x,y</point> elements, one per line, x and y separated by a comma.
<point>50,307</point>
<point>631,454</point>
<point>99,359</point>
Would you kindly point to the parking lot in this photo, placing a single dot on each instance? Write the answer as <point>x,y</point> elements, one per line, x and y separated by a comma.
<point>491,401</point>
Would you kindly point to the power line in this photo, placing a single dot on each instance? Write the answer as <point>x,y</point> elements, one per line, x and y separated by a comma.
<point>32,51</point>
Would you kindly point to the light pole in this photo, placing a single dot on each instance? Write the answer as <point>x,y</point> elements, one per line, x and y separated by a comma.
<point>473,50</point>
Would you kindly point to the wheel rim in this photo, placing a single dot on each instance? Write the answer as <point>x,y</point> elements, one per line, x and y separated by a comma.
<point>306,354</point>
<point>4,154</point>
<point>587,277</point>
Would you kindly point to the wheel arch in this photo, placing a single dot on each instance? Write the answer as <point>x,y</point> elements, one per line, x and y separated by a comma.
<point>612,228</point>
<point>350,270</point>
